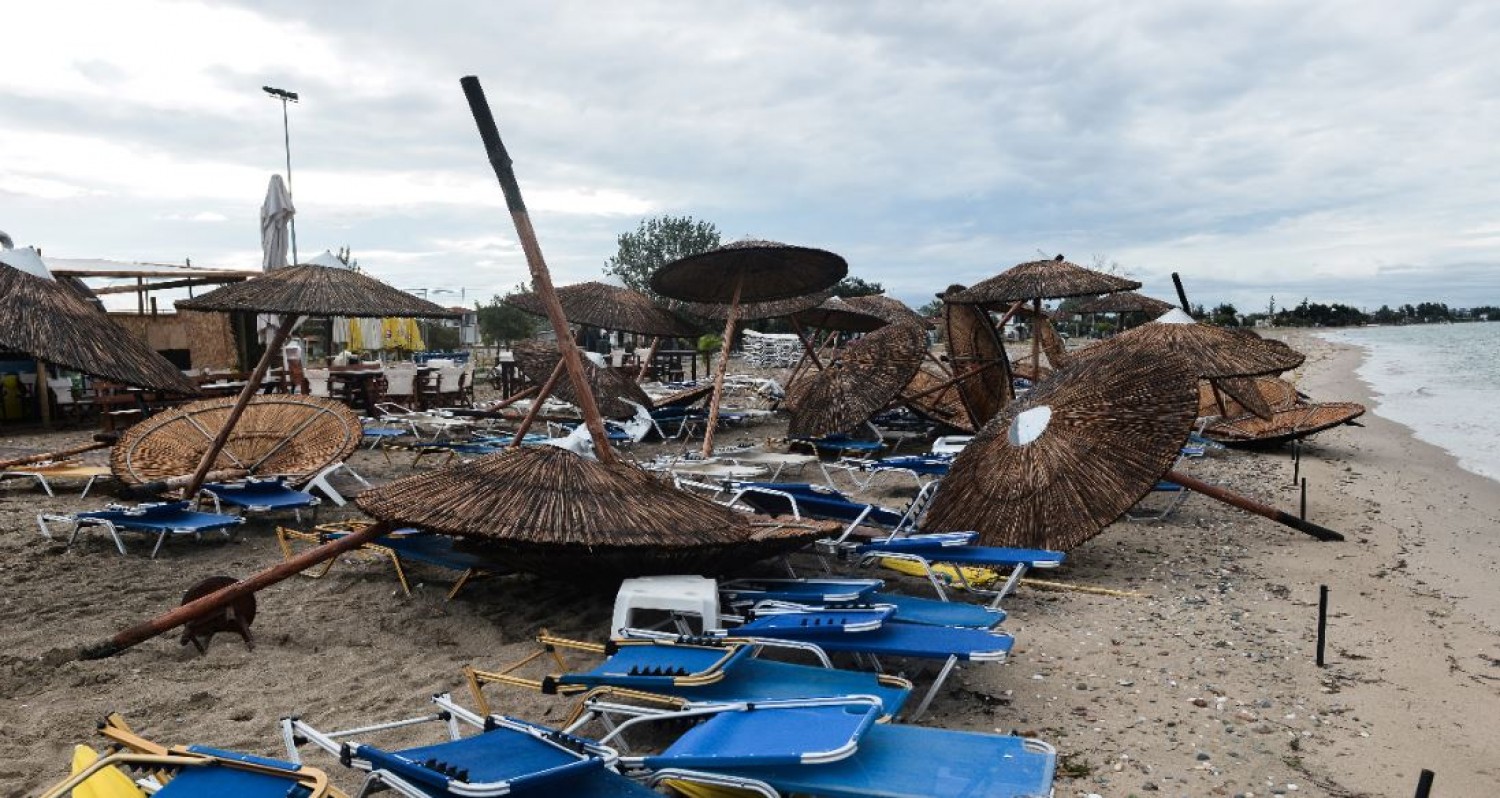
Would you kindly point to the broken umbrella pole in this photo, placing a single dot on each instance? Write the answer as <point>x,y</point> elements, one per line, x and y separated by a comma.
<point>1252,506</point>
<point>58,455</point>
<point>219,599</point>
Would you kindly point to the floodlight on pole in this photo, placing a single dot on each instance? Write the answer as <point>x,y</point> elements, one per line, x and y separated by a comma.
<point>286,96</point>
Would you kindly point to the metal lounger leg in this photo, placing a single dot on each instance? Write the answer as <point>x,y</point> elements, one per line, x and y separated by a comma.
<point>937,684</point>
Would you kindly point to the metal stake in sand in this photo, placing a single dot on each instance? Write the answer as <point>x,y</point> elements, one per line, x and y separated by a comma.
<point>1322,621</point>
<point>1302,508</point>
<point>1296,459</point>
<point>541,278</point>
<point>1424,783</point>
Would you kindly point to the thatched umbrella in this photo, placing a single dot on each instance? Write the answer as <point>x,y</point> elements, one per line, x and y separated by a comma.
<point>539,359</point>
<point>303,290</point>
<point>981,367</point>
<point>865,377</point>
<point>889,308</point>
<point>745,271</point>
<point>1073,454</point>
<point>933,395</point>
<point>1211,352</point>
<point>1124,302</point>
<point>611,307</point>
<point>281,435</point>
<point>750,311</point>
<point>53,324</point>
<point>1038,280</point>
<point>1233,396</point>
<point>834,315</point>
<point>1273,392</point>
<point>1298,421</point>
<point>549,511</point>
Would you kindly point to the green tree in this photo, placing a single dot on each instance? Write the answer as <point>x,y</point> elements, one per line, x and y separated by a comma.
<point>854,286</point>
<point>656,242</point>
<point>1225,315</point>
<point>502,323</point>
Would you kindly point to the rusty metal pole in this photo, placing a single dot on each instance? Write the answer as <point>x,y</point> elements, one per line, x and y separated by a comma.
<point>541,278</point>
<point>1252,506</point>
<point>222,598</point>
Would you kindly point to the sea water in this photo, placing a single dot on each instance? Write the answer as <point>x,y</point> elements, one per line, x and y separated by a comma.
<point>1441,381</point>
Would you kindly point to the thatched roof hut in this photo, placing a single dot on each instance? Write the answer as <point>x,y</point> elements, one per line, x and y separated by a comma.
<point>310,290</point>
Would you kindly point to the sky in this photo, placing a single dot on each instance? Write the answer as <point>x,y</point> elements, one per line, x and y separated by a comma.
<point>1335,151</point>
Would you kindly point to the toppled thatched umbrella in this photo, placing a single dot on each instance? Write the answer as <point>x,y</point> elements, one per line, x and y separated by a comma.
<point>889,308</point>
<point>981,368</point>
<point>933,395</point>
<point>1211,352</point>
<point>1298,421</point>
<point>1273,392</point>
<point>538,359</point>
<point>282,435</point>
<point>866,377</point>
<point>745,271</point>
<point>834,315</point>
<point>1058,465</point>
<point>1234,396</point>
<point>611,307</point>
<point>1038,280</point>
<point>549,511</point>
<point>303,290</point>
<point>53,324</point>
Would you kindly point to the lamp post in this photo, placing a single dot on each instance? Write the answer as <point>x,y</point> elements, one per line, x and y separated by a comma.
<point>286,133</point>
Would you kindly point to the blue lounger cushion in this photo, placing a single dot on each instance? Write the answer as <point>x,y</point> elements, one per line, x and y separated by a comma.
<point>896,761</point>
<point>431,548</point>
<point>192,782</point>
<point>257,493</point>
<point>164,517</point>
<point>935,612</point>
<point>992,556</point>
<point>816,622</point>
<point>657,667</point>
<point>813,502</point>
<point>768,680</point>
<point>795,735</point>
<point>801,591</point>
<point>904,640</point>
<point>503,760</point>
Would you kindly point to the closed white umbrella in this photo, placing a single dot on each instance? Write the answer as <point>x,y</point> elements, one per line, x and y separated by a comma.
<point>275,215</point>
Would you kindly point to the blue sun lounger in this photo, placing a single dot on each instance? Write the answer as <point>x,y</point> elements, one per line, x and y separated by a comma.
<point>925,550</point>
<point>690,671</point>
<point>258,496</point>
<point>742,594</point>
<point>158,518</point>
<point>190,772</point>
<point>835,750</point>
<point>507,757</point>
<point>401,546</point>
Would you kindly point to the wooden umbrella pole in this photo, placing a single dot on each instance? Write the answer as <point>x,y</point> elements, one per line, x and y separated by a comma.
<point>806,345</point>
<point>1252,506</point>
<point>645,371</point>
<point>536,405</point>
<point>223,597</point>
<point>718,395</point>
<point>252,384</point>
<point>541,278</point>
<point>44,394</point>
<point>58,455</point>
<point>1036,339</point>
<point>513,398</point>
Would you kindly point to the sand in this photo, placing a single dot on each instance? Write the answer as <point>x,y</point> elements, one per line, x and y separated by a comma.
<point>1202,684</point>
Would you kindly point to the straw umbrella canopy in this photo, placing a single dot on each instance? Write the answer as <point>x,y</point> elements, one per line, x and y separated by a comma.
<point>751,311</point>
<point>538,359</point>
<point>866,377</point>
<point>609,307</point>
<point>53,324</point>
<point>1298,421</point>
<point>1124,302</point>
<point>745,271</point>
<point>889,308</point>
<point>1233,396</point>
<point>1038,280</point>
<point>1073,454</point>
<point>282,435</point>
<point>550,511</point>
<point>1210,351</point>
<point>1274,392</point>
<point>981,367</point>
<point>839,315</point>
<point>933,395</point>
<point>302,290</point>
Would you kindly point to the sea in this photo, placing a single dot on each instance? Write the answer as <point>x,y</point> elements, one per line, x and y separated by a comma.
<point>1442,381</point>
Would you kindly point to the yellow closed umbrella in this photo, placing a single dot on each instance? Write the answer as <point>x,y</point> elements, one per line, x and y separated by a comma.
<point>109,782</point>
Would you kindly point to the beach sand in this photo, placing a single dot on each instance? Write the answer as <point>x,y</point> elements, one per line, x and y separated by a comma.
<point>1202,683</point>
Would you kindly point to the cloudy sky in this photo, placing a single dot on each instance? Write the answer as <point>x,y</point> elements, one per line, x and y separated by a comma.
<point>1341,151</point>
